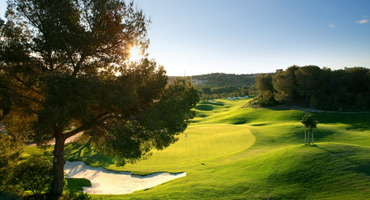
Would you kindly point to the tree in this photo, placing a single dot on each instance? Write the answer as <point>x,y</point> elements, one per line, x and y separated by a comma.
<point>64,68</point>
<point>284,83</point>
<point>244,91</point>
<point>309,124</point>
<point>308,81</point>
<point>265,90</point>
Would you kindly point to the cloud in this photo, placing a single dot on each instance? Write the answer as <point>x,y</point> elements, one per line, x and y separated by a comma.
<point>331,25</point>
<point>362,21</point>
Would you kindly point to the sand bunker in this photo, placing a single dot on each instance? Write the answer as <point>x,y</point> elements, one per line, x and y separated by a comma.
<point>104,181</point>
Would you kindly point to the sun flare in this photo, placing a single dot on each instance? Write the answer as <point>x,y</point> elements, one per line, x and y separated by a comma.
<point>135,54</point>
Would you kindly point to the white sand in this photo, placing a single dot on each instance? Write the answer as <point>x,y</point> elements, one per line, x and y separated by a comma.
<point>104,181</point>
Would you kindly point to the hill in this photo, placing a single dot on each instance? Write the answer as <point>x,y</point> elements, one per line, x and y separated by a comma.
<point>221,79</point>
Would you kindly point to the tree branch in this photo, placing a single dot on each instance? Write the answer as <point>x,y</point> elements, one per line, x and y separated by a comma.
<point>21,95</point>
<point>75,131</point>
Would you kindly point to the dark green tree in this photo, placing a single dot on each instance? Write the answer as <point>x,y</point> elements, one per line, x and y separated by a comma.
<point>244,91</point>
<point>64,69</point>
<point>309,80</point>
<point>284,83</point>
<point>265,90</point>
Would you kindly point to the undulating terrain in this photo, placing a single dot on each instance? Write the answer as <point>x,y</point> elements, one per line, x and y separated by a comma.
<point>231,152</point>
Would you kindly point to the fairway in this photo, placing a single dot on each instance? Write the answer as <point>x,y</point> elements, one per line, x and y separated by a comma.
<point>245,153</point>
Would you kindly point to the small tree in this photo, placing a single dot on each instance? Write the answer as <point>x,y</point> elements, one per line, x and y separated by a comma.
<point>309,124</point>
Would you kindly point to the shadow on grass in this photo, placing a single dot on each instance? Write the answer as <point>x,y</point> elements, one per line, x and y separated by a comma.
<point>348,155</point>
<point>356,120</point>
<point>204,107</point>
<point>260,124</point>
<point>215,103</point>
<point>319,170</point>
<point>84,152</point>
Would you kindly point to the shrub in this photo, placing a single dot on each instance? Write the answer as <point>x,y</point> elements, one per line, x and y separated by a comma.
<point>9,155</point>
<point>35,174</point>
<point>74,196</point>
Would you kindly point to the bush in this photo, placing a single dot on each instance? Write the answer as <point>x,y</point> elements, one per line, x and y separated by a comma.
<point>9,155</point>
<point>74,196</point>
<point>35,174</point>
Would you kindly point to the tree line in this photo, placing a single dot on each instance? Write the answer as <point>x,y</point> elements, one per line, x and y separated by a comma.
<point>320,88</point>
<point>211,92</point>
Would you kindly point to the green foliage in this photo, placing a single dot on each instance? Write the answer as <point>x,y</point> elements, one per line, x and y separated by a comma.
<point>35,174</point>
<point>266,90</point>
<point>215,92</point>
<point>308,121</point>
<point>71,195</point>
<point>310,86</point>
<point>283,83</point>
<point>222,79</point>
<point>9,155</point>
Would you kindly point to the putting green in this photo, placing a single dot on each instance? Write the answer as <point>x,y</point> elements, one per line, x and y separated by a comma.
<point>203,143</point>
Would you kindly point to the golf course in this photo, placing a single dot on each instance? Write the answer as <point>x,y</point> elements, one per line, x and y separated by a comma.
<point>235,152</point>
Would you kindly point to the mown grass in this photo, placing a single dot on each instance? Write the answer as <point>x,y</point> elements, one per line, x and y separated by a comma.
<point>77,184</point>
<point>244,153</point>
<point>203,143</point>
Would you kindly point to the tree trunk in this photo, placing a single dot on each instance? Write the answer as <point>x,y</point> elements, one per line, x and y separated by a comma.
<point>308,136</point>
<point>305,136</point>
<point>312,135</point>
<point>58,165</point>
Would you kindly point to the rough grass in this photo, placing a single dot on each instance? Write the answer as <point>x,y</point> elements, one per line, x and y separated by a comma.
<point>244,153</point>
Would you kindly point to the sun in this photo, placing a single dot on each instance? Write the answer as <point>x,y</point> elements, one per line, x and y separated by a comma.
<point>135,54</point>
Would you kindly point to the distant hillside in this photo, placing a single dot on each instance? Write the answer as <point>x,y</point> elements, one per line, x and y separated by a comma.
<point>222,79</point>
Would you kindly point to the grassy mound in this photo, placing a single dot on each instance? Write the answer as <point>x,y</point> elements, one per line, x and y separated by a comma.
<point>203,143</point>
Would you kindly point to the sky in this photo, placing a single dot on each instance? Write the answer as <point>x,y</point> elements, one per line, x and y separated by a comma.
<point>192,37</point>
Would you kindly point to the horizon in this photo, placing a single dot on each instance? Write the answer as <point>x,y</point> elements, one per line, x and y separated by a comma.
<point>244,37</point>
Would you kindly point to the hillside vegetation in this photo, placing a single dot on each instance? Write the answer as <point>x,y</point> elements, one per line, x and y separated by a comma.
<point>311,86</point>
<point>244,153</point>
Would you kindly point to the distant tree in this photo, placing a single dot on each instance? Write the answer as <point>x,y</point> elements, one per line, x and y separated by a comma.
<point>265,90</point>
<point>206,90</point>
<point>308,81</point>
<point>314,87</point>
<point>309,124</point>
<point>284,83</point>
<point>64,70</point>
<point>244,91</point>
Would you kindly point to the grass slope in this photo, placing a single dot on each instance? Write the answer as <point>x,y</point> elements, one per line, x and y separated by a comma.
<point>244,153</point>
